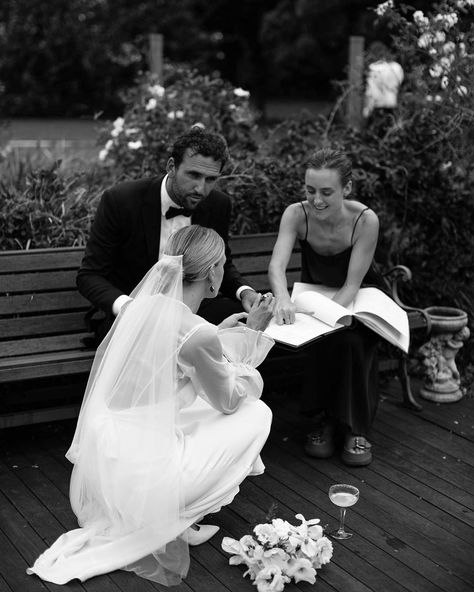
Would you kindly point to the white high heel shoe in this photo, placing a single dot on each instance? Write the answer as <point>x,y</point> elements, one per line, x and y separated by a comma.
<point>203,533</point>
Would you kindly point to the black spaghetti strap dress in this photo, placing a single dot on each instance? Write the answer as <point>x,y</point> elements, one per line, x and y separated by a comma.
<point>341,373</point>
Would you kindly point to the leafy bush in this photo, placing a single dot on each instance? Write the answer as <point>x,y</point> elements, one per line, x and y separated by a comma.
<point>139,142</point>
<point>45,207</point>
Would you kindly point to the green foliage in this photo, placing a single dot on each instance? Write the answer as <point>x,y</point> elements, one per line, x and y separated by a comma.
<point>45,207</point>
<point>139,142</point>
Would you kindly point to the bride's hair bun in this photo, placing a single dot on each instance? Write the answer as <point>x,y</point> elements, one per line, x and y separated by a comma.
<point>200,247</point>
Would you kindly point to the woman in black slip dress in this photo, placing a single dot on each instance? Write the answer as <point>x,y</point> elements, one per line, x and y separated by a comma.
<point>338,237</point>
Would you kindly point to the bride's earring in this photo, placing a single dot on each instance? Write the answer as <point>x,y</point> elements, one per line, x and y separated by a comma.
<point>212,289</point>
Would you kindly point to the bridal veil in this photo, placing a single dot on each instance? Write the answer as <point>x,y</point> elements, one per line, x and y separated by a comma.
<point>126,485</point>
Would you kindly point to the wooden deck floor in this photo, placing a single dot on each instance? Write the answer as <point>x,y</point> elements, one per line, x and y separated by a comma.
<point>413,523</point>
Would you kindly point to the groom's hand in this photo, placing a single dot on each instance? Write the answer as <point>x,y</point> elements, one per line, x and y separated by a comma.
<point>248,298</point>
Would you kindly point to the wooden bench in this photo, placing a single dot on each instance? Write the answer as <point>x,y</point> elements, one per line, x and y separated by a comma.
<point>42,318</point>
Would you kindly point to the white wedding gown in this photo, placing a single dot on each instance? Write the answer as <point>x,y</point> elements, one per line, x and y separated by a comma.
<point>219,430</point>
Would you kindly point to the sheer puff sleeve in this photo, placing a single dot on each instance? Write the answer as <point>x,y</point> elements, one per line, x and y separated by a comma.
<point>221,364</point>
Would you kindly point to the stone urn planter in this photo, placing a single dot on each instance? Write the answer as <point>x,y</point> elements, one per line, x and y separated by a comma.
<point>449,330</point>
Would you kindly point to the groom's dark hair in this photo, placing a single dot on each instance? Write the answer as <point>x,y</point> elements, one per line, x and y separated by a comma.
<point>199,141</point>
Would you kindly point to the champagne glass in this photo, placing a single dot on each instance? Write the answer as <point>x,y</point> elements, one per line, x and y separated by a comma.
<point>343,496</point>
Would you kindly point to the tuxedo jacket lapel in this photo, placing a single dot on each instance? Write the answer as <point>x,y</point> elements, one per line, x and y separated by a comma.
<point>151,218</point>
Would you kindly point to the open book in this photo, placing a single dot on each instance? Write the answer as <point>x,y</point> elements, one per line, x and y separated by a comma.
<point>317,314</point>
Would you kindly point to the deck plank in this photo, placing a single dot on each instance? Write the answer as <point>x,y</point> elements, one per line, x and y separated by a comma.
<point>413,523</point>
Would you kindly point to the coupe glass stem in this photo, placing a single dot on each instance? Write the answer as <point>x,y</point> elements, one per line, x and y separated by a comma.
<point>342,516</point>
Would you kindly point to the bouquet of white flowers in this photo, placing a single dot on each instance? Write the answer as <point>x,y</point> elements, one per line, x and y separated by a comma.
<point>278,551</point>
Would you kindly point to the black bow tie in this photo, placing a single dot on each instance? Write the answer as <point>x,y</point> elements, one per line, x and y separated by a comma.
<point>172,212</point>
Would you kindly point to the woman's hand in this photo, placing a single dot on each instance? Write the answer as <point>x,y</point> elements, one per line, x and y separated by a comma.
<point>233,320</point>
<point>284,311</point>
<point>261,313</point>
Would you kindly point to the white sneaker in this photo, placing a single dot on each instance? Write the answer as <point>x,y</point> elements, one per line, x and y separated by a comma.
<point>203,533</point>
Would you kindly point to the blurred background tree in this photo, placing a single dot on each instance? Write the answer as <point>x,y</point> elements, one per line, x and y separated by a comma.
<point>78,57</point>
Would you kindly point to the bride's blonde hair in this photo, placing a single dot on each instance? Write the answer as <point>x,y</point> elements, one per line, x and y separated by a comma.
<point>200,247</point>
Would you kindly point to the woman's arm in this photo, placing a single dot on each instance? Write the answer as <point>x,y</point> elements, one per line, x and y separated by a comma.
<point>224,384</point>
<point>365,242</point>
<point>284,309</point>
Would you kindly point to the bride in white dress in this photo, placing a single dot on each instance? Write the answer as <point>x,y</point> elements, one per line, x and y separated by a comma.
<point>170,425</point>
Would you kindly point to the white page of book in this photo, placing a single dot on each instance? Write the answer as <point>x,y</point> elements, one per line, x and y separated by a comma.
<point>374,302</point>
<point>323,308</point>
<point>304,329</point>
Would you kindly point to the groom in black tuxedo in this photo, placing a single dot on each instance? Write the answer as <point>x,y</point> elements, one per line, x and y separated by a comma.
<point>135,218</point>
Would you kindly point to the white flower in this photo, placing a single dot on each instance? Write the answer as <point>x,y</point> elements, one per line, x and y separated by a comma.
<point>132,130</point>
<point>449,47</point>
<point>461,90</point>
<point>282,527</point>
<point>171,115</point>
<point>152,103</point>
<point>270,579</point>
<point>266,534</point>
<point>117,127</point>
<point>418,16</point>
<point>421,20</point>
<point>462,48</point>
<point>118,123</point>
<point>315,532</point>
<point>179,114</point>
<point>157,90</point>
<point>109,144</point>
<point>280,551</point>
<point>135,145</point>
<point>301,569</point>
<point>440,36</point>
<point>451,19</point>
<point>446,62</point>
<point>429,98</point>
<point>240,92</point>
<point>438,98</point>
<point>381,9</point>
<point>103,154</point>
<point>432,51</point>
<point>325,550</point>
<point>425,40</point>
<point>435,71</point>
<point>444,82</point>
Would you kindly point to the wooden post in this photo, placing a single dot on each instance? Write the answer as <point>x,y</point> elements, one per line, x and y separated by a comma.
<point>356,81</point>
<point>155,54</point>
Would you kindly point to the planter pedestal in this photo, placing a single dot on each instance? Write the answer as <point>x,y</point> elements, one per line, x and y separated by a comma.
<point>448,332</point>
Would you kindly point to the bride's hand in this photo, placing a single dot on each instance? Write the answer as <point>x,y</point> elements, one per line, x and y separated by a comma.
<point>233,320</point>
<point>261,313</point>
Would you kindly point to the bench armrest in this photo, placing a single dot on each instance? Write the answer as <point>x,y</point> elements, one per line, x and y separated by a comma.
<point>401,273</point>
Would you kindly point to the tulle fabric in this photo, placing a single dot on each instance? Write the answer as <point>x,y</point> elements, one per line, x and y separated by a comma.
<point>126,483</point>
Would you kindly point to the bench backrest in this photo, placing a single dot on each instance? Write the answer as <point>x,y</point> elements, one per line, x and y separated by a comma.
<point>41,310</point>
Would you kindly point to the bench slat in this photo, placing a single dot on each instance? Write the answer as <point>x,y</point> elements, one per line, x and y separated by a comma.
<point>40,259</point>
<point>30,304</point>
<point>247,244</point>
<point>41,325</point>
<point>37,345</point>
<point>260,281</point>
<point>260,263</point>
<point>41,281</point>
<point>44,365</point>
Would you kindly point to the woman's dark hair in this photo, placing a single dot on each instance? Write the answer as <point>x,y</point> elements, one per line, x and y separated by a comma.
<point>202,142</point>
<point>327,158</point>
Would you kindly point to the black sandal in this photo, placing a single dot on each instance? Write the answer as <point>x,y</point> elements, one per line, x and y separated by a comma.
<point>356,451</point>
<point>320,442</point>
